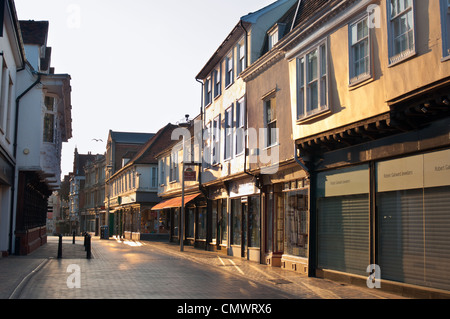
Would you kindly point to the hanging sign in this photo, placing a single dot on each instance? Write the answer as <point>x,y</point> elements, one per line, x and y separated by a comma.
<point>190,175</point>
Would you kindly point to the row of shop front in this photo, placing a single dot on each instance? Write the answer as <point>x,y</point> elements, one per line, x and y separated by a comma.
<point>392,211</point>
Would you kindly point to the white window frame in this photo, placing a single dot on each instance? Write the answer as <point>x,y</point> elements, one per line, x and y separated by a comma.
<point>174,165</point>
<point>445,25</point>
<point>215,138</point>
<point>271,137</point>
<point>397,57</point>
<point>228,135</point>
<point>154,180</point>
<point>273,38</point>
<point>4,90</point>
<point>229,70</point>
<point>354,44</point>
<point>241,49</point>
<point>240,126</point>
<point>305,86</point>
<point>217,82</point>
<point>208,90</point>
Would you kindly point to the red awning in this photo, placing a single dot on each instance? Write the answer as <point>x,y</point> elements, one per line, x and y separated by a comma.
<point>174,202</point>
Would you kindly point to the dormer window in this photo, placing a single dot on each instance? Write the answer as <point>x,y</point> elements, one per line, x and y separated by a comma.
<point>273,38</point>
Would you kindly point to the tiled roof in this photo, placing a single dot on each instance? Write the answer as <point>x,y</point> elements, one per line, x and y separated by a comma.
<point>130,137</point>
<point>307,9</point>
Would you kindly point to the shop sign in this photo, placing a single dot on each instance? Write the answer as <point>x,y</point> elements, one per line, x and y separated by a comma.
<point>190,175</point>
<point>437,169</point>
<point>425,170</point>
<point>402,173</point>
<point>348,181</point>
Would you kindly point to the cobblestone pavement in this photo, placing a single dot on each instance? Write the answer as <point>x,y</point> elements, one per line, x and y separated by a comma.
<point>157,270</point>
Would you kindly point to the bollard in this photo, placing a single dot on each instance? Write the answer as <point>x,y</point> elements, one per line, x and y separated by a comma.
<point>60,247</point>
<point>73,241</point>
<point>88,250</point>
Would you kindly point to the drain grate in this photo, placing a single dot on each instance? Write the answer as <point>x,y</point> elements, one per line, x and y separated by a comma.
<point>280,281</point>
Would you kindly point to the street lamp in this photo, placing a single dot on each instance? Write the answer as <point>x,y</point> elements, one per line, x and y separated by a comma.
<point>108,169</point>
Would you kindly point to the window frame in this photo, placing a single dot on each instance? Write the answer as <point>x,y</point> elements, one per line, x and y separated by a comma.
<point>272,124</point>
<point>49,113</point>
<point>228,133</point>
<point>445,28</point>
<point>173,168</point>
<point>242,55</point>
<point>354,78</point>
<point>395,58</point>
<point>229,70</point>
<point>215,140</point>
<point>240,125</point>
<point>304,87</point>
<point>208,90</point>
<point>217,82</point>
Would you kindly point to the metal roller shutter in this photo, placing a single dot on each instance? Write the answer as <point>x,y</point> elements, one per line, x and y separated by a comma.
<point>414,241</point>
<point>343,233</point>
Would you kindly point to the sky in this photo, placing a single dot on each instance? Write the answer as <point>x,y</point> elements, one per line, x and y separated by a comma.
<point>132,63</point>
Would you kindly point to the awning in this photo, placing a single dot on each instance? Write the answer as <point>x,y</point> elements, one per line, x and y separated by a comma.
<point>174,202</point>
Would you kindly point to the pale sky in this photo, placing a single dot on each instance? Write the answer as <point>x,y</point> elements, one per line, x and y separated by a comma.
<point>133,63</point>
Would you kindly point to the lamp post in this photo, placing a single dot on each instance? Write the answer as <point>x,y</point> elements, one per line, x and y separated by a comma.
<point>108,183</point>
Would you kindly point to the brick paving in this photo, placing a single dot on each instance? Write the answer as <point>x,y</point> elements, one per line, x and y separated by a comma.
<point>158,270</point>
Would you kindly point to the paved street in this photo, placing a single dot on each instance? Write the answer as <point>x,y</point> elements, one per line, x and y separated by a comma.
<point>156,270</point>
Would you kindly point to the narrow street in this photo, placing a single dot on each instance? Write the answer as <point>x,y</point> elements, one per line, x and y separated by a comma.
<point>157,270</point>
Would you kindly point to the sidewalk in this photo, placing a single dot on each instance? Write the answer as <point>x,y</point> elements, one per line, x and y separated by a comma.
<point>17,271</point>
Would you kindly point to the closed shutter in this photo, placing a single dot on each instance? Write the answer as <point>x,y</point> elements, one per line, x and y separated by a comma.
<point>414,241</point>
<point>343,233</point>
<point>437,237</point>
<point>401,235</point>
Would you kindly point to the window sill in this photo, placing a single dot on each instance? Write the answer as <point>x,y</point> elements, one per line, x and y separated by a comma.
<point>271,146</point>
<point>357,82</point>
<point>399,58</point>
<point>313,117</point>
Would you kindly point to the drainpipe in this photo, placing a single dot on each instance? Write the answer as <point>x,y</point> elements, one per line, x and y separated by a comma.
<point>13,188</point>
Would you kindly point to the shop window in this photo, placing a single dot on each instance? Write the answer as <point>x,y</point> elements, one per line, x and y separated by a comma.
<point>296,232</point>
<point>254,222</point>
<point>214,219</point>
<point>236,221</point>
<point>223,222</point>
<point>190,223</point>
<point>201,223</point>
